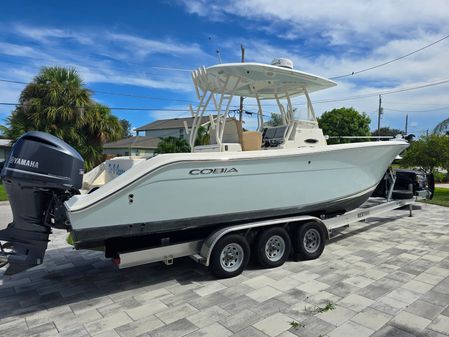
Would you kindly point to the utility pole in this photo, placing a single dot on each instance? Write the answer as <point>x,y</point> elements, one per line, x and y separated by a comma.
<point>378,117</point>
<point>406,124</point>
<point>241,97</point>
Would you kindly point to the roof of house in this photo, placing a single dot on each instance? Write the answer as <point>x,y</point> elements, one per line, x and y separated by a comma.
<point>173,123</point>
<point>139,142</point>
<point>5,142</point>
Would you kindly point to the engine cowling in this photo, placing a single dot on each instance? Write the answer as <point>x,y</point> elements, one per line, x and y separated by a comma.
<point>40,174</point>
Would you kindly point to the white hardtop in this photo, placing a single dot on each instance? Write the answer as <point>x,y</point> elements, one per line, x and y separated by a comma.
<point>260,80</point>
<point>219,84</point>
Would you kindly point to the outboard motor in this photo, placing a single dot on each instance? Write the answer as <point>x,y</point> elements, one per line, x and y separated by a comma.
<point>41,173</point>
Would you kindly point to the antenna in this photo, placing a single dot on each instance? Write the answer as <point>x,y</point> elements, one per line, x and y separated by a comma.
<point>379,114</point>
<point>241,97</point>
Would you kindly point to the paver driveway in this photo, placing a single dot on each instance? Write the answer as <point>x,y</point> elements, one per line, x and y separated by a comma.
<point>387,278</point>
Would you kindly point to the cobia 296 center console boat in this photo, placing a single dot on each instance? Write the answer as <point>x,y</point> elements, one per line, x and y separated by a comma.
<point>240,177</point>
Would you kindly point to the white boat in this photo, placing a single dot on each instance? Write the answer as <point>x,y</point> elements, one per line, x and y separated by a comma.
<point>241,175</point>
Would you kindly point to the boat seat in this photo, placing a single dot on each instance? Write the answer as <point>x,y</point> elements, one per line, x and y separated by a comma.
<point>274,136</point>
<point>251,140</point>
<point>232,132</point>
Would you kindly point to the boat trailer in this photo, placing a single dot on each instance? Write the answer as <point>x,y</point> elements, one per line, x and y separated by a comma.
<point>202,250</point>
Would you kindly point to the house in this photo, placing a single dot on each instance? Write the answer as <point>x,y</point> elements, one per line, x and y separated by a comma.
<point>168,127</point>
<point>148,136</point>
<point>132,146</point>
<point>5,149</point>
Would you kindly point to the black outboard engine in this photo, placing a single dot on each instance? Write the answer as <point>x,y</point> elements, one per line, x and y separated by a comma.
<point>41,173</point>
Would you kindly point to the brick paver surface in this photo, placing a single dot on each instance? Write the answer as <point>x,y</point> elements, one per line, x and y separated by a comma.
<point>387,277</point>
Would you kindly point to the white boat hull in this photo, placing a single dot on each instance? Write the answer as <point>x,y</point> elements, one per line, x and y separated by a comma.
<point>180,191</point>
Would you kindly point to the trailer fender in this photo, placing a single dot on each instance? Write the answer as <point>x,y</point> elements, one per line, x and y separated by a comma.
<point>210,242</point>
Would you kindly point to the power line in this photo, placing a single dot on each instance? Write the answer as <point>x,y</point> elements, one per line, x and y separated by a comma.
<point>355,97</point>
<point>116,93</point>
<point>114,108</point>
<point>391,61</point>
<point>417,104</point>
<point>132,95</point>
<point>140,96</point>
<point>422,86</point>
<point>113,67</point>
<point>11,81</point>
<point>427,110</point>
<point>147,75</point>
<point>387,92</point>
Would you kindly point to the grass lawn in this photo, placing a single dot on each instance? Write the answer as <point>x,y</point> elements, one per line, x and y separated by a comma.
<point>441,197</point>
<point>3,195</point>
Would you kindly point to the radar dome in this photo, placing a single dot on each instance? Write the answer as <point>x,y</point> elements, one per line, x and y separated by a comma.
<point>282,62</point>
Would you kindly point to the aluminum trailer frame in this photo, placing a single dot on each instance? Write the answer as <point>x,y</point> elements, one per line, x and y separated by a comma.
<point>201,250</point>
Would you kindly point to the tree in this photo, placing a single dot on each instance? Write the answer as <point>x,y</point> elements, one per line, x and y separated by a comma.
<point>387,131</point>
<point>442,127</point>
<point>202,136</point>
<point>57,102</point>
<point>172,145</point>
<point>344,122</point>
<point>127,129</point>
<point>276,120</point>
<point>427,153</point>
<point>99,127</point>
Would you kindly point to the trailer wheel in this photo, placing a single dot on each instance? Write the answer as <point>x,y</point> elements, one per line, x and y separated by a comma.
<point>273,247</point>
<point>309,241</point>
<point>229,256</point>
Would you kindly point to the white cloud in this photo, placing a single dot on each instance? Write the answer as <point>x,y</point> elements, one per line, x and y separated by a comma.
<point>49,48</point>
<point>342,22</point>
<point>385,36</point>
<point>142,47</point>
<point>14,49</point>
<point>46,35</point>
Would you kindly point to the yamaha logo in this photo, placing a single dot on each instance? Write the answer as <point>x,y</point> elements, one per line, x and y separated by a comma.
<point>207,171</point>
<point>24,162</point>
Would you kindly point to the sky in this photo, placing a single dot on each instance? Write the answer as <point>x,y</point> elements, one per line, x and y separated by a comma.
<point>139,54</point>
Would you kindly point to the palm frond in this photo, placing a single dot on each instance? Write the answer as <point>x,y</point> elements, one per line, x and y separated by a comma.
<point>441,127</point>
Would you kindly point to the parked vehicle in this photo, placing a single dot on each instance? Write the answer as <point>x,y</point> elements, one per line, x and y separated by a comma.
<point>406,184</point>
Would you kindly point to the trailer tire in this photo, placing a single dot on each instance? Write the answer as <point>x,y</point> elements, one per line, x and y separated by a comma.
<point>230,256</point>
<point>273,247</point>
<point>309,241</point>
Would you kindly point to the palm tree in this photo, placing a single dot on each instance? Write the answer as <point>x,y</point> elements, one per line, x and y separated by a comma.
<point>202,136</point>
<point>442,127</point>
<point>172,145</point>
<point>99,127</point>
<point>57,102</point>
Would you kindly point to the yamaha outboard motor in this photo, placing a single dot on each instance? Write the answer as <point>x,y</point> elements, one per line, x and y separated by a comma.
<point>41,173</point>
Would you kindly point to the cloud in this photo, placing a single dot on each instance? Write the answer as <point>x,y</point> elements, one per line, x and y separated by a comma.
<point>14,49</point>
<point>46,35</point>
<point>126,59</point>
<point>142,47</point>
<point>338,22</point>
<point>106,61</point>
